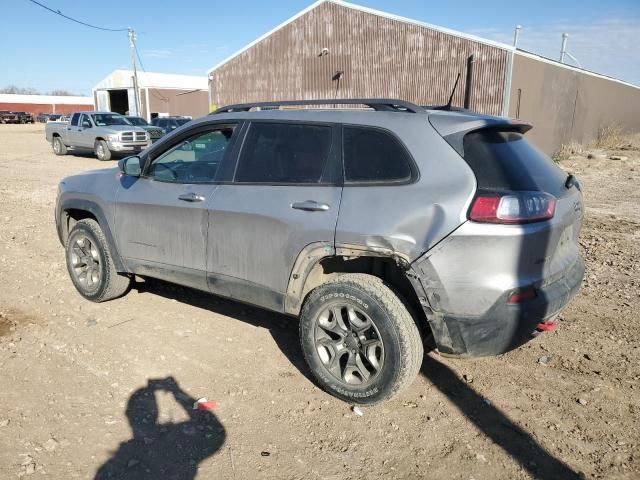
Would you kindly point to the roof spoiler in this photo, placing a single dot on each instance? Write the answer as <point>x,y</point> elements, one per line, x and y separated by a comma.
<point>453,128</point>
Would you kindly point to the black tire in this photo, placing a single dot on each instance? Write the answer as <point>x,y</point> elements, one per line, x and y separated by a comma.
<point>59,148</point>
<point>400,353</point>
<point>106,283</point>
<point>101,150</point>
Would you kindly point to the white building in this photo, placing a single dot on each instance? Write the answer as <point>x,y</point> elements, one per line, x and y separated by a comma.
<point>158,94</point>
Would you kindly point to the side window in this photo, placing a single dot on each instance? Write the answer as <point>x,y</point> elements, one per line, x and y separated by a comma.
<point>74,119</point>
<point>374,156</point>
<point>84,121</point>
<point>195,160</point>
<point>284,153</point>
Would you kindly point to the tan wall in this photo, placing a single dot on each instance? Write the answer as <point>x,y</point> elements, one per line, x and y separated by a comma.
<point>565,105</point>
<point>380,57</point>
<point>176,102</point>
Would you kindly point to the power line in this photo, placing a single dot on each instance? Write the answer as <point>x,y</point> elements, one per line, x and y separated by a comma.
<point>58,12</point>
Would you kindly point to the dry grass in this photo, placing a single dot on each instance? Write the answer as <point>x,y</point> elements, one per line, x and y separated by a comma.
<point>611,137</point>
<point>566,150</point>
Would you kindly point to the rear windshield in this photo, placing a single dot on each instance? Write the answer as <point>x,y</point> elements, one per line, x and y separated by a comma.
<point>505,160</point>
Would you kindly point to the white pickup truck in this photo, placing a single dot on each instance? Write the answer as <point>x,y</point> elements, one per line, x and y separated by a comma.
<point>104,133</point>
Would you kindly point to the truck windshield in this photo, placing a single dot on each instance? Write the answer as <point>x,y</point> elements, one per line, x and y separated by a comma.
<point>106,119</point>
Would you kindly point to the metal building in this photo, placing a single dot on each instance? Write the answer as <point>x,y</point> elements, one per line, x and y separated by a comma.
<point>157,94</point>
<point>37,104</point>
<point>334,49</point>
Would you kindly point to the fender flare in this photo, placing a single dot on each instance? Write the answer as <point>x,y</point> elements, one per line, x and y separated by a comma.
<point>94,209</point>
<point>314,253</point>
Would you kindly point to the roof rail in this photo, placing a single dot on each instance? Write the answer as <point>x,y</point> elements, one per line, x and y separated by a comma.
<point>378,104</point>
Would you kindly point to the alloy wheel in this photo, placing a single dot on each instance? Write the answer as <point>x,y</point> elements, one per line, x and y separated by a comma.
<point>349,344</point>
<point>85,261</point>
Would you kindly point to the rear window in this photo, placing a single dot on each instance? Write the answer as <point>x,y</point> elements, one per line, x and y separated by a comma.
<point>374,156</point>
<point>505,160</point>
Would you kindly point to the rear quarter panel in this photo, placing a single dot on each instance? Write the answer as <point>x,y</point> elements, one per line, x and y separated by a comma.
<point>409,219</point>
<point>54,127</point>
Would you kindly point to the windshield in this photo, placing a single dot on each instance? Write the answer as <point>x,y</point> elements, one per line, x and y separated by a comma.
<point>105,119</point>
<point>137,121</point>
<point>182,121</point>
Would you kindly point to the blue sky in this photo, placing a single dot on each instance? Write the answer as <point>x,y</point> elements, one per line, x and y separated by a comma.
<point>44,51</point>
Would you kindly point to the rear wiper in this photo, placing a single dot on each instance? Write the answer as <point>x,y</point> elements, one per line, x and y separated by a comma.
<point>572,181</point>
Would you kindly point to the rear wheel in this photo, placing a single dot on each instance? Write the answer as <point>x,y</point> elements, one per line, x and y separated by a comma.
<point>359,339</point>
<point>90,265</point>
<point>101,150</point>
<point>59,148</point>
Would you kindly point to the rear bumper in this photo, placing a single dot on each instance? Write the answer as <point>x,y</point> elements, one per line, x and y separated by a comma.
<point>504,327</point>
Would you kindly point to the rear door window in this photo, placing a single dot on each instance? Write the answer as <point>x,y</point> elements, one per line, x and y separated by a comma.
<point>374,156</point>
<point>505,160</point>
<point>280,153</point>
<point>74,119</point>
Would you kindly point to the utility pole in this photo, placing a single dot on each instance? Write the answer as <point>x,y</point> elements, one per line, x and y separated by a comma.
<point>516,35</point>
<point>132,49</point>
<point>563,49</point>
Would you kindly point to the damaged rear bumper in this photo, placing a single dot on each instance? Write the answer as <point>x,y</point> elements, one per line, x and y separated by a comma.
<point>503,326</point>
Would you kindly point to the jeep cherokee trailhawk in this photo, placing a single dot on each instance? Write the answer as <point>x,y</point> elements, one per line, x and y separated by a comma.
<point>371,224</point>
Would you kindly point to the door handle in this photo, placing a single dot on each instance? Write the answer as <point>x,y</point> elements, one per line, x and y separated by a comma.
<point>191,197</point>
<point>310,206</point>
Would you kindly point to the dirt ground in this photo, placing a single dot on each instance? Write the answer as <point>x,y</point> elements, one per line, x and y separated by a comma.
<point>86,387</point>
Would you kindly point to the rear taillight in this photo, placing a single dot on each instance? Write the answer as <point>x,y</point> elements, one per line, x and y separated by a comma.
<point>512,207</point>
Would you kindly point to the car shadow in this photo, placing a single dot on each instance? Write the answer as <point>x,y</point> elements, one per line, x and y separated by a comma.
<point>163,450</point>
<point>494,424</point>
<point>283,328</point>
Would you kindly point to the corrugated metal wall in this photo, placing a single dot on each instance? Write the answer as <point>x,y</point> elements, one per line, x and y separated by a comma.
<point>175,102</point>
<point>380,57</point>
<point>566,105</point>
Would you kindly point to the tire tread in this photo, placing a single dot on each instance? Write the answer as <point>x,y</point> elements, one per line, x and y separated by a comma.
<point>411,347</point>
<point>116,284</point>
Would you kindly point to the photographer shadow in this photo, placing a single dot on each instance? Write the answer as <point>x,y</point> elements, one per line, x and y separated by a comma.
<point>169,451</point>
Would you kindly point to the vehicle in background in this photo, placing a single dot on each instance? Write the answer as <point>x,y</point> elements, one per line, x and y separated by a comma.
<point>104,133</point>
<point>155,133</point>
<point>42,117</point>
<point>8,117</point>
<point>24,117</point>
<point>169,124</point>
<point>370,226</point>
<point>54,117</point>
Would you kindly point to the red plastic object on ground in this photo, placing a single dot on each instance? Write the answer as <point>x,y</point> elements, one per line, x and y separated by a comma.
<point>205,405</point>
<point>547,326</point>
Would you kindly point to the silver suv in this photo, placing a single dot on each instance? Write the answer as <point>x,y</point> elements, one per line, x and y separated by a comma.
<point>375,226</point>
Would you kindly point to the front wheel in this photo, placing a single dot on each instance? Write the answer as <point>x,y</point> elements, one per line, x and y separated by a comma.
<point>102,151</point>
<point>359,339</point>
<point>90,265</point>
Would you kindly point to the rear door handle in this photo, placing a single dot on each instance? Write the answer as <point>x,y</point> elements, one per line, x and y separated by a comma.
<point>191,197</point>
<point>310,206</point>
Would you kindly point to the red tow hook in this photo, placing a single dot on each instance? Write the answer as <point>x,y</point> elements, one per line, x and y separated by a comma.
<point>549,326</point>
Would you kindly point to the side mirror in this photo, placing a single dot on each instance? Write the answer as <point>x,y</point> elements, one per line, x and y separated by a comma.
<point>130,166</point>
